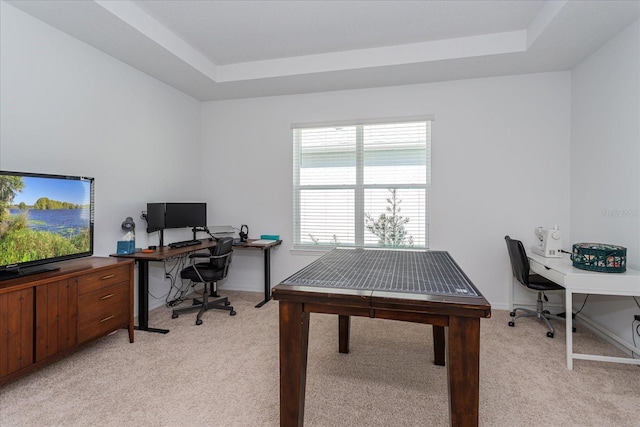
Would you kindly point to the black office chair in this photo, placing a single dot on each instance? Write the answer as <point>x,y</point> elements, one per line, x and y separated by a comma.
<point>209,273</point>
<point>520,268</point>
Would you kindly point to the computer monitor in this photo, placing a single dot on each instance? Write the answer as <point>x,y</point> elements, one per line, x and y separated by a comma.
<point>155,217</point>
<point>178,215</point>
<point>165,215</point>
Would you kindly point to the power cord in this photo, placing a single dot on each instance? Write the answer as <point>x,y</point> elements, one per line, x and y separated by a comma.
<point>175,264</point>
<point>633,336</point>
<point>564,314</point>
<point>637,330</point>
<point>179,290</point>
<point>583,303</point>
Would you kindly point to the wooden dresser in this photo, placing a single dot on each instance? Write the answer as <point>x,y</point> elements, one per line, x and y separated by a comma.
<point>49,315</point>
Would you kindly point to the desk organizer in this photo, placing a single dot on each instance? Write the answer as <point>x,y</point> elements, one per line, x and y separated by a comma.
<point>599,257</point>
<point>269,237</point>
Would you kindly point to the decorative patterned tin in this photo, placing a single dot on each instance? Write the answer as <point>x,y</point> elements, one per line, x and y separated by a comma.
<point>599,257</point>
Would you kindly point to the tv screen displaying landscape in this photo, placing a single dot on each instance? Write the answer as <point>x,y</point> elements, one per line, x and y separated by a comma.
<point>44,218</point>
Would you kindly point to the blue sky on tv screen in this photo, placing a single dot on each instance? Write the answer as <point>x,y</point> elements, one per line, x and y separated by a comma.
<point>61,190</point>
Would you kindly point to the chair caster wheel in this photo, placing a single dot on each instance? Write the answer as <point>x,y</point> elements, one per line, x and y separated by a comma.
<point>199,322</point>
<point>174,316</point>
<point>512,324</point>
<point>512,314</point>
<point>232,313</point>
<point>550,334</point>
<point>573,329</point>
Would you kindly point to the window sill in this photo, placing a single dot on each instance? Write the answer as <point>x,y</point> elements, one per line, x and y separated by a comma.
<point>317,251</point>
<point>310,250</point>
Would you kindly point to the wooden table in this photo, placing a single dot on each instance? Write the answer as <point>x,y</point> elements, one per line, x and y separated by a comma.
<point>412,286</point>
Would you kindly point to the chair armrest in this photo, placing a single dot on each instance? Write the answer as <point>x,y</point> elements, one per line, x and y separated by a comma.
<point>228,256</point>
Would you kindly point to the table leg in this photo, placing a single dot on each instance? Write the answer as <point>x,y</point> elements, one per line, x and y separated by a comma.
<point>143,299</point>
<point>438,345</point>
<point>294,342</point>
<point>344,326</point>
<point>569,327</point>
<point>267,277</point>
<point>463,370</point>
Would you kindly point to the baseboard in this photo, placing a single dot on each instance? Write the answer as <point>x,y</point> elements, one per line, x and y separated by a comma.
<point>528,304</point>
<point>242,287</point>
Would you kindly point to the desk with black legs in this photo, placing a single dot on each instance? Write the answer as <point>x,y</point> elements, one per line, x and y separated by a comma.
<point>143,259</point>
<point>266,253</point>
<point>164,252</point>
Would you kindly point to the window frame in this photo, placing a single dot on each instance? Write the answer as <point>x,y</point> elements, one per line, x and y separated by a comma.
<point>359,187</point>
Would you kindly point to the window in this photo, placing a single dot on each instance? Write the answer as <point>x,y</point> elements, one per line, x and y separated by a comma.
<point>362,184</point>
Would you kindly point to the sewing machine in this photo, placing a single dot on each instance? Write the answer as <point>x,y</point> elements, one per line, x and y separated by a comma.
<point>550,245</point>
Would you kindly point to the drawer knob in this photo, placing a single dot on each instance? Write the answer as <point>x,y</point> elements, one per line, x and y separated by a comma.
<point>107,296</point>
<point>108,276</point>
<point>106,318</point>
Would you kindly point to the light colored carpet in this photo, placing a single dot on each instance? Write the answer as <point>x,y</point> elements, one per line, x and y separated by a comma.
<point>225,373</point>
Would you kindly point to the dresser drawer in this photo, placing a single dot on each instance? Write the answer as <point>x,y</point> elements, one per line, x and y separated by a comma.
<point>94,281</point>
<point>103,310</point>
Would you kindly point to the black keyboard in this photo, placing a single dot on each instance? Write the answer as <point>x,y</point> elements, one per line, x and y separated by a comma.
<point>184,243</point>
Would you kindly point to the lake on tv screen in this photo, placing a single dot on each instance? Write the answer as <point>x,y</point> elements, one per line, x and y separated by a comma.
<point>66,222</point>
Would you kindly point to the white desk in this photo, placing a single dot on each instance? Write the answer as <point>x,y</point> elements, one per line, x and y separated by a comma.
<point>576,281</point>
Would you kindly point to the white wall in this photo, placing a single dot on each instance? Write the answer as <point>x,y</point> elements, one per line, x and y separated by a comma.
<point>605,164</point>
<point>500,166</point>
<point>501,151</point>
<point>67,108</point>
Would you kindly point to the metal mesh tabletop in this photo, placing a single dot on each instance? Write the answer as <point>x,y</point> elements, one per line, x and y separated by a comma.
<point>422,272</point>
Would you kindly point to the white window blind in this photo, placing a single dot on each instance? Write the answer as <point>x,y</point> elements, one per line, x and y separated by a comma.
<point>362,184</point>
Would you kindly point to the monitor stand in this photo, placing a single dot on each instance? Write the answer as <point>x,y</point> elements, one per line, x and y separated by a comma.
<point>17,272</point>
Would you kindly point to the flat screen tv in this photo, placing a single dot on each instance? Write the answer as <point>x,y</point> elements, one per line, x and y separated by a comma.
<point>44,219</point>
